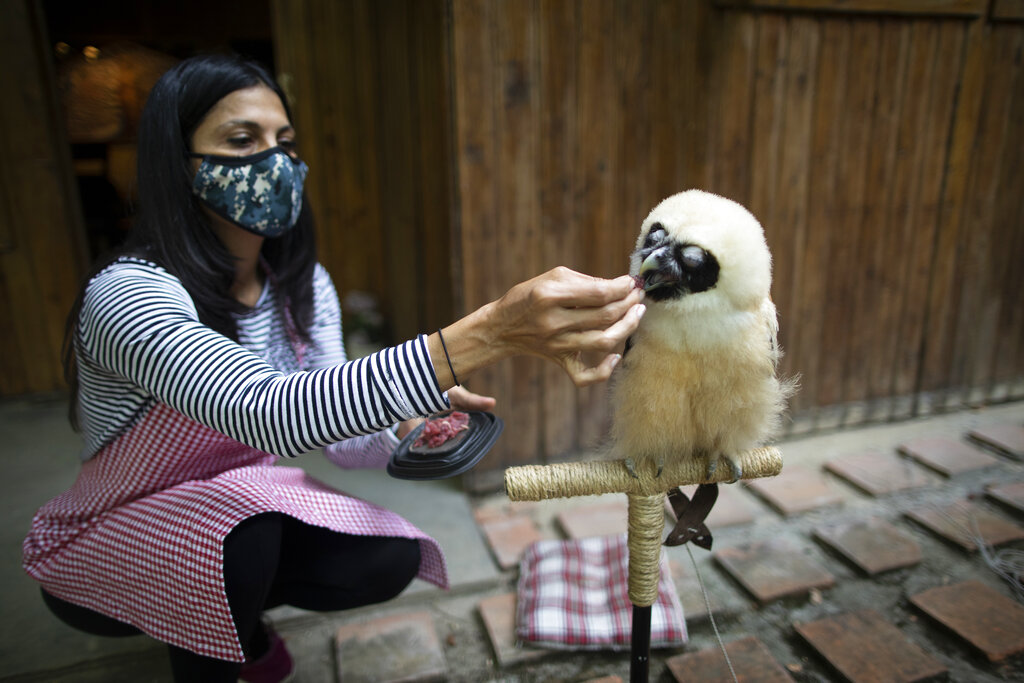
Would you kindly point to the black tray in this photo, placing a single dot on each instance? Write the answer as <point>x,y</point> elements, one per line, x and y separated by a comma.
<point>451,458</point>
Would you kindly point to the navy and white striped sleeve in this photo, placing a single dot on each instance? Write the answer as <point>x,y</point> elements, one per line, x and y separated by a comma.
<point>138,322</point>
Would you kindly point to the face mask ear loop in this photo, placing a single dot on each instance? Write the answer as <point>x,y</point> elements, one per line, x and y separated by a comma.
<point>298,346</point>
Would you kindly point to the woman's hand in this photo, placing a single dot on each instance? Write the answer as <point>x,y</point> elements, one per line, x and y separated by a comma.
<point>463,399</point>
<point>560,315</point>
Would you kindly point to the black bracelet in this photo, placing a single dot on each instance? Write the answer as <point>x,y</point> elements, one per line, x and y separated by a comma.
<point>447,357</point>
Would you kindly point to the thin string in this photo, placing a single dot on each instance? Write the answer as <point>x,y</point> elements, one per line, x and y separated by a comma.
<point>447,357</point>
<point>707,605</point>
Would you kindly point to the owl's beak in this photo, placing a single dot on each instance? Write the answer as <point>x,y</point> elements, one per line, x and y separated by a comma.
<point>659,269</point>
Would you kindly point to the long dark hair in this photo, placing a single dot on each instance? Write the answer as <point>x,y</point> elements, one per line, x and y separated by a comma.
<point>170,228</point>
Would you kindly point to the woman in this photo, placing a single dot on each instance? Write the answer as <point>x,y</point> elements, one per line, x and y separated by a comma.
<point>210,347</point>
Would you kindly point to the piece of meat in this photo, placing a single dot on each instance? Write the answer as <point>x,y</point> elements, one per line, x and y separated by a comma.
<point>440,429</point>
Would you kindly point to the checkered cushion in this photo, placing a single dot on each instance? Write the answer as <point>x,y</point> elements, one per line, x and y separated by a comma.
<point>574,595</point>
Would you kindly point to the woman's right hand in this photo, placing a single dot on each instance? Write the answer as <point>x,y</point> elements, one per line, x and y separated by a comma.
<point>559,315</point>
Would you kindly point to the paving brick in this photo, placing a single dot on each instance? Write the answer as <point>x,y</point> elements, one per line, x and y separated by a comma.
<point>750,659</point>
<point>403,647</point>
<point>509,536</point>
<point>597,519</point>
<point>775,569</point>
<point>695,608</point>
<point>1005,438</point>
<point>1010,495</point>
<point>796,490</point>
<point>873,545</point>
<point>605,679</point>
<point>982,616</point>
<point>733,507</point>
<point>947,456</point>
<point>963,523</point>
<point>865,648</point>
<point>878,474</point>
<point>499,616</point>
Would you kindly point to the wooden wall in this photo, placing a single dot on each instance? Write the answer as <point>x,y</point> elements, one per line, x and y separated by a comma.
<point>882,152</point>
<point>369,87</point>
<point>42,250</point>
<point>460,146</point>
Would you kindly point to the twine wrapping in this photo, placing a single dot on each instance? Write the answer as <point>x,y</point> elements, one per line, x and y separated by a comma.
<point>646,524</point>
<point>566,480</point>
<point>646,499</point>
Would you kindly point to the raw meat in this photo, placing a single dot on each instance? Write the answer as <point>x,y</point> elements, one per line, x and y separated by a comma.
<point>439,430</point>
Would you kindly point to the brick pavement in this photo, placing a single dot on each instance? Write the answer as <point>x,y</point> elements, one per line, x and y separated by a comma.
<point>882,581</point>
<point>860,567</point>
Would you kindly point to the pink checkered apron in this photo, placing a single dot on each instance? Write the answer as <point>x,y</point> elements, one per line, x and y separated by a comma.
<point>139,537</point>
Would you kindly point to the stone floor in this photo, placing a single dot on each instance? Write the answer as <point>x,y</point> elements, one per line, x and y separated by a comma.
<point>884,553</point>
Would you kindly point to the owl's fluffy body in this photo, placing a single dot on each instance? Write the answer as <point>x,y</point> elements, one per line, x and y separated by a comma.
<point>699,377</point>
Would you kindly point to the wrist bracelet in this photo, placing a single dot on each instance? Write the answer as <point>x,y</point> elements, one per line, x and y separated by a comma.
<point>447,357</point>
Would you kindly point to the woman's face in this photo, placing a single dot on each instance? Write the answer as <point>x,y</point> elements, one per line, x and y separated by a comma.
<point>244,122</point>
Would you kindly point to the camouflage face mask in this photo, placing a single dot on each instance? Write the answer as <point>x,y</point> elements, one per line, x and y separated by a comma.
<point>261,193</point>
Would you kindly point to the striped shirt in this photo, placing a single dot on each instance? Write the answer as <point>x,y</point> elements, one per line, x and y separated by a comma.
<point>140,342</point>
<point>183,429</point>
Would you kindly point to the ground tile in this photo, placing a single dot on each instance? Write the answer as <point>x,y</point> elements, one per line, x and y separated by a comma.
<point>1005,438</point>
<point>864,647</point>
<point>499,617</point>
<point>874,545</point>
<point>403,647</point>
<point>984,617</point>
<point>965,523</point>
<point>598,519</point>
<point>771,570</point>
<point>1010,495</point>
<point>691,597</point>
<point>750,659</point>
<point>947,456</point>
<point>796,490</point>
<point>509,537</point>
<point>733,507</point>
<point>878,474</point>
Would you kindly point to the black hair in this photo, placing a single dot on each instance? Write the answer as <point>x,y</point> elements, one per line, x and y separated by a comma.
<point>170,228</point>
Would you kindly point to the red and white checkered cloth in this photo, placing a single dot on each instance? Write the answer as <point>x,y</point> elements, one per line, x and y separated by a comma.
<point>574,595</point>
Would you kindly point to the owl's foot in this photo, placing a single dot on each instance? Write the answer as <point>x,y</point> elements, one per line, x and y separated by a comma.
<point>735,469</point>
<point>631,468</point>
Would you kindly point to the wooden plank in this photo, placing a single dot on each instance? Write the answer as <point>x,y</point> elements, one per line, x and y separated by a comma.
<point>768,118</point>
<point>1005,251</point>
<point>863,136</point>
<point>939,45</point>
<point>1007,10</point>
<point>829,89</point>
<point>733,72</point>
<point>1009,357</point>
<point>397,146</point>
<point>879,311</point>
<point>597,204</point>
<point>45,255</point>
<point>439,263</point>
<point>558,225</point>
<point>938,373</point>
<point>968,8</point>
<point>793,187</point>
<point>516,112</point>
<point>979,304</point>
<point>476,158</point>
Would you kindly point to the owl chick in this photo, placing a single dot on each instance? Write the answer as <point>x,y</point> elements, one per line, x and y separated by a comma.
<point>698,378</point>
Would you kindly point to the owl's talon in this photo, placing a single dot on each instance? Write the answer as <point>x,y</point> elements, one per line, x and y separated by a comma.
<point>631,468</point>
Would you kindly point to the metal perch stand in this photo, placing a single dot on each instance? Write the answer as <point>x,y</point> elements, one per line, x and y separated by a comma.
<point>646,516</point>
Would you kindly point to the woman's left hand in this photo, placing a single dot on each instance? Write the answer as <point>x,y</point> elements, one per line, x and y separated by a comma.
<point>463,399</point>
<point>460,398</point>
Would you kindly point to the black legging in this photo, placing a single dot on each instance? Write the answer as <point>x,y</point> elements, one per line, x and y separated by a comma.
<point>272,559</point>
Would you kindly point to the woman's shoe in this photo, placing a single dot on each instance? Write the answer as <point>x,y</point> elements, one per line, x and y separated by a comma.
<point>275,666</point>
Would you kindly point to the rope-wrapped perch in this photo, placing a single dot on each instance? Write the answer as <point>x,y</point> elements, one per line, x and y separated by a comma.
<point>566,480</point>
